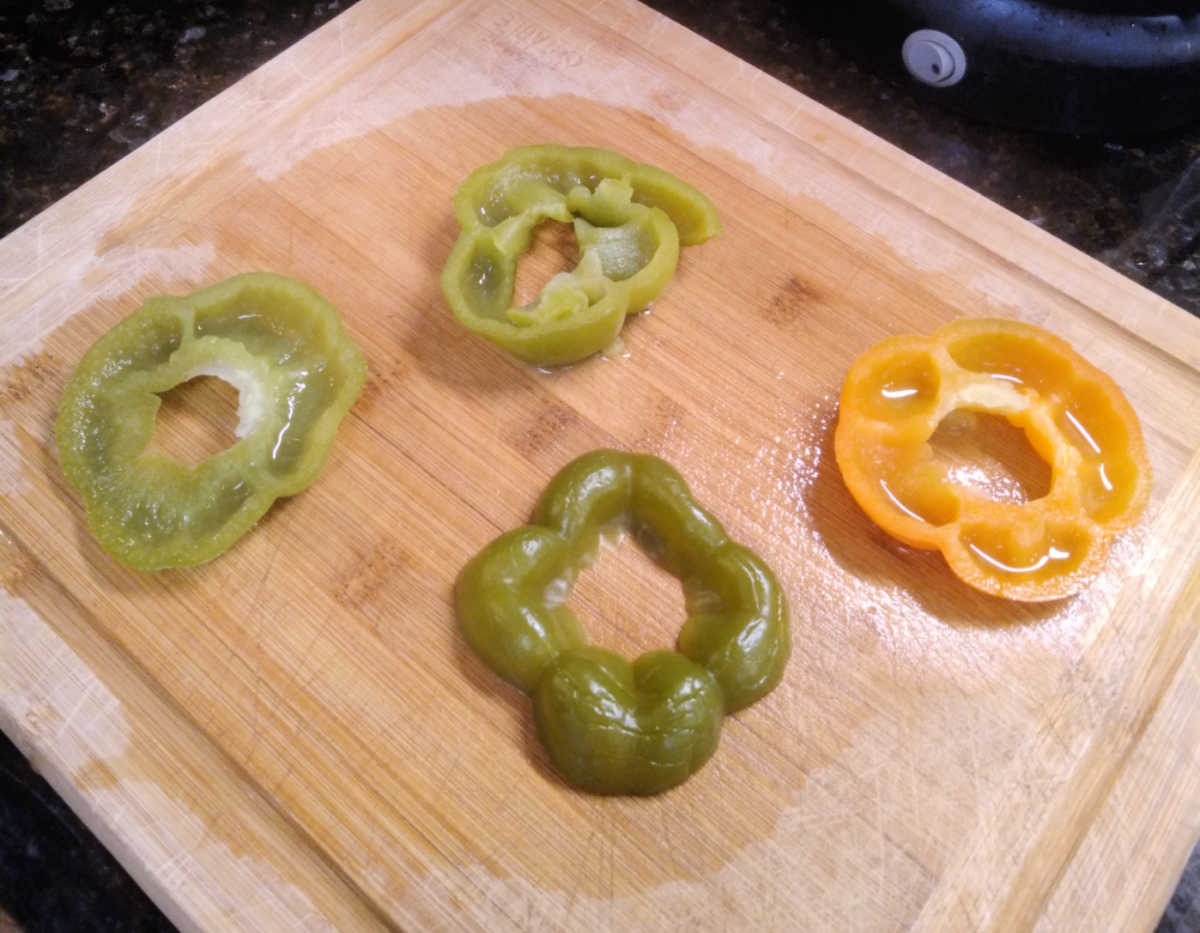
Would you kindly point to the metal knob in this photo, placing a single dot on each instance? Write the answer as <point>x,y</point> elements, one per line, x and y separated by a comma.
<point>934,58</point>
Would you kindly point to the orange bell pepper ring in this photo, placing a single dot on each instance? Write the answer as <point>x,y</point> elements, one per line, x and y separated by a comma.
<point>1074,416</point>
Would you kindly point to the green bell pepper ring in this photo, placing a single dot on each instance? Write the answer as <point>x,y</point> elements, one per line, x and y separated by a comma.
<point>296,370</point>
<point>611,726</point>
<point>629,220</point>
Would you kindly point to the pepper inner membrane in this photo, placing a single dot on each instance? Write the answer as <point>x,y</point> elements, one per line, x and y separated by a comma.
<point>263,325</point>
<point>1013,358</point>
<point>196,419</point>
<point>905,386</point>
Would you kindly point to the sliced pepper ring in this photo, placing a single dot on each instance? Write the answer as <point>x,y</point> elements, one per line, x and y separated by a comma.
<point>1075,417</point>
<point>611,726</point>
<point>296,370</point>
<point>629,221</point>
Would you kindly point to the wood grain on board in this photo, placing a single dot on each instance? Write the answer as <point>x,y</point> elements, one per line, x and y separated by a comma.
<point>295,733</point>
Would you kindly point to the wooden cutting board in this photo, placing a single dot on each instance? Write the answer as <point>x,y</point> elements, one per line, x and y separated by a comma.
<point>295,734</point>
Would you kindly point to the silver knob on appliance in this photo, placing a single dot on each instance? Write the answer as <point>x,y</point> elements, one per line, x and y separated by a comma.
<point>934,58</point>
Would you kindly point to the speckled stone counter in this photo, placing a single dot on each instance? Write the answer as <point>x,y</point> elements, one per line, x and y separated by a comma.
<point>82,84</point>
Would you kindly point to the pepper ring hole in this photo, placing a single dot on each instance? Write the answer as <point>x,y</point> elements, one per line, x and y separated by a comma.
<point>990,456</point>
<point>552,249</point>
<point>196,419</point>
<point>626,602</point>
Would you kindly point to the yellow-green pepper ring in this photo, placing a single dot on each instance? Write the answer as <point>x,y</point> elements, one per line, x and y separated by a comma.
<point>296,370</point>
<point>529,175</point>
<point>610,726</point>
<point>629,221</point>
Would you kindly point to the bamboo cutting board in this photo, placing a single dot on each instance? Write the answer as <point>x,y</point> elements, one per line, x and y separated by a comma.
<point>295,735</point>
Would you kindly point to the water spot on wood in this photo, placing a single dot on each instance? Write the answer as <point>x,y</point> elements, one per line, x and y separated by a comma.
<point>385,377</point>
<point>548,426</point>
<point>379,569</point>
<point>791,302</point>
<point>18,383</point>
<point>665,419</point>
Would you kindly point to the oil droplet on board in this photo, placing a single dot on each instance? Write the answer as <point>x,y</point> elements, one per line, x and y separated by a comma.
<point>615,350</point>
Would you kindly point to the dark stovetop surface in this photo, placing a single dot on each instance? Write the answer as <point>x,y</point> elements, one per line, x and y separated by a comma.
<point>82,84</point>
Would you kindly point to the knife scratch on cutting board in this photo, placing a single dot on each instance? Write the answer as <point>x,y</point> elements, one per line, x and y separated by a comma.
<point>93,280</point>
<point>257,601</point>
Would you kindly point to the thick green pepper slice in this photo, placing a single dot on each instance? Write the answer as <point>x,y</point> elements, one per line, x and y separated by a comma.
<point>296,371</point>
<point>611,726</point>
<point>629,220</point>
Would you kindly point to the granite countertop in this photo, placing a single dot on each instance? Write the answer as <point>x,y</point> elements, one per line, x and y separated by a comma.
<point>83,84</point>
